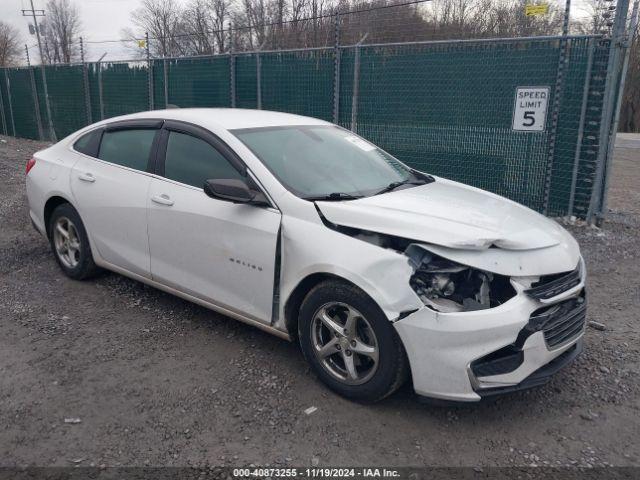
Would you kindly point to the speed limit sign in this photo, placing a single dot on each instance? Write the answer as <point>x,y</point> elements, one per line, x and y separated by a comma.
<point>530,110</point>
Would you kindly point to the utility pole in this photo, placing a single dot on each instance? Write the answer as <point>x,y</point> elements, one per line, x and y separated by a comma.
<point>35,14</point>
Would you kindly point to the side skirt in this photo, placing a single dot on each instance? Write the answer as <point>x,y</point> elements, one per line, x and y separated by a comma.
<point>211,306</point>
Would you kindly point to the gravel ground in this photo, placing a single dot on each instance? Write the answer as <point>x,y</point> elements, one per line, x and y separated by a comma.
<point>111,372</point>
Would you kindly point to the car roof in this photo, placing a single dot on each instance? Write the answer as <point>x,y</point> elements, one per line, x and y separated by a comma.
<point>226,118</point>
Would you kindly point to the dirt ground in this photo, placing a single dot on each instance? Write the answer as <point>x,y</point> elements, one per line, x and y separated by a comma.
<point>111,372</point>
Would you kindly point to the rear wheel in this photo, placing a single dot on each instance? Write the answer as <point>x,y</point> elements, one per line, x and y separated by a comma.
<point>70,243</point>
<point>349,342</point>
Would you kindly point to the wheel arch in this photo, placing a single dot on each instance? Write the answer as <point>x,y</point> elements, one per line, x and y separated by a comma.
<point>298,294</point>
<point>49,206</point>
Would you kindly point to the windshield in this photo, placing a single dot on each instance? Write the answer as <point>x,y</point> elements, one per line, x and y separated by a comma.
<point>323,160</point>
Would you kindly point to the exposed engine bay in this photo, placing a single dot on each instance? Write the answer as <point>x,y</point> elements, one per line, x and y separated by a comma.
<point>448,287</point>
<point>441,284</point>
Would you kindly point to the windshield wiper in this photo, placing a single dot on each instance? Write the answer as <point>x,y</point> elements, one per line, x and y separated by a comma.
<point>393,185</point>
<point>333,196</point>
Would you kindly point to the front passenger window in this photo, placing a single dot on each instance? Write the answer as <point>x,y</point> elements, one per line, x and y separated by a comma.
<point>192,161</point>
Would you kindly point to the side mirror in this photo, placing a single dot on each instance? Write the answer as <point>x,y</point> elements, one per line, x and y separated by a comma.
<point>233,190</point>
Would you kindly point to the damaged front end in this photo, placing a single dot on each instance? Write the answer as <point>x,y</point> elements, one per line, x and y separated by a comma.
<point>447,286</point>
<point>442,285</point>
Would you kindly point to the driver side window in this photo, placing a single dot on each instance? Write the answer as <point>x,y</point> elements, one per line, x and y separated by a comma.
<point>192,161</point>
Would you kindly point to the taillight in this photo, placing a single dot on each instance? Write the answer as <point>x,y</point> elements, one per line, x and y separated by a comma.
<point>30,164</point>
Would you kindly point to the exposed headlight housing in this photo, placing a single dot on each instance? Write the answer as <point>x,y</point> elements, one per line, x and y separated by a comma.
<point>448,286</point>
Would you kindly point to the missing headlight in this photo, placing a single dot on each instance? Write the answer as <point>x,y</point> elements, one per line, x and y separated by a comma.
<point>448,287</point>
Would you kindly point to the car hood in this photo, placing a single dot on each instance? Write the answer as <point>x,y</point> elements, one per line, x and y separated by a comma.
<point>448,214</point>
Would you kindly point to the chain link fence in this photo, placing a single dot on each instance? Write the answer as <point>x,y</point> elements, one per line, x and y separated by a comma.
<point>446,107</point>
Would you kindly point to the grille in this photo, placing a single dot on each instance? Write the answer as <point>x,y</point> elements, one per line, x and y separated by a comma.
<point>562,322</point>
<point>551,285</point>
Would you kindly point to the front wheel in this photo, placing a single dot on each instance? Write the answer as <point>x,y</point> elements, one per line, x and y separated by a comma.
<point>349,342</point>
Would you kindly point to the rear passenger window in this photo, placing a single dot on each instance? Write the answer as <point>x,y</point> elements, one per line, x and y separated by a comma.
<point>88,143</point>
<point>129,148</point>
<point>192,161</point>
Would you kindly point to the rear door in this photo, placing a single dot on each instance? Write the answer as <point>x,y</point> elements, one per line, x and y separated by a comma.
<point>111,191</point>
<point>216,250</point>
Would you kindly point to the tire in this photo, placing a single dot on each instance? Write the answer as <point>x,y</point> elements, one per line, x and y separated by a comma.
<point>377,373</point>
<point>76,259</point>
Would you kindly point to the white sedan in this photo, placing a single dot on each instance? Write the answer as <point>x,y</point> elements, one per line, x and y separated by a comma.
<point>305,230</point>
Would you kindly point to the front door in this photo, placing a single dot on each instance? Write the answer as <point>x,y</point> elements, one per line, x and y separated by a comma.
<point>216,250</point>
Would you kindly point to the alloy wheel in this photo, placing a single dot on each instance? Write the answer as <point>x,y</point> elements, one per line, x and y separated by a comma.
<point>344,343</point>
<point>67,242</point>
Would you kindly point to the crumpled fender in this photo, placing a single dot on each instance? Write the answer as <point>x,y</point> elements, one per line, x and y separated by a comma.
<point>382,273</point>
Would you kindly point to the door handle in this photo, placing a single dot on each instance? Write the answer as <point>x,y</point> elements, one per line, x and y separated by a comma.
<point>87,177</point>
<point>162,199</point>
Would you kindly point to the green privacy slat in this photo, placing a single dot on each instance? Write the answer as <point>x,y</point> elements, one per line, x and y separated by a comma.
<point>199,82</point>
<point>246,84</point>
<point>443,107</point>
<point>94,90</point>
<point>591,138</point>
<point>568,126</point>
<point>158,84</point>
<point>125,88</point>
<point>298,82</point>
<point>66,98</point>
<point>22,104</point>
<point>447,109</point>
<point>5,120</point>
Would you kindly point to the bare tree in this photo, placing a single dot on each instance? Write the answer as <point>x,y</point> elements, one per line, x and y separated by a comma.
<point>220,17</point>
<point>59,32</point>
<point>9,45</point>
<point>255,13</point>
<point>630,108</point>
<point>162,19</point>
<point>197,23</point>
<point>599,14</point>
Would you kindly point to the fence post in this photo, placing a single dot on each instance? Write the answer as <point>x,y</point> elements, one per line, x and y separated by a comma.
<point>85,85</point>
<point>583,113</point>
<point>5,130</point>
<point>52,132</point>
<point>8,88</point>
<point>336,69</point>
<point>149,69</point>
<point>258,80</point>
<point>356,84</point>
<point>616,116</point>
<point>165,82</point>
<point>608,108</point>
<point>34,94</point>
<point>555,111</point>
<point>100,92</point>
<point>36,103</point>
<point>232,68</point>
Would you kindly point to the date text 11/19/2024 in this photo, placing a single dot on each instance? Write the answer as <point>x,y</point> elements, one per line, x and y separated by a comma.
<point>326,472</point>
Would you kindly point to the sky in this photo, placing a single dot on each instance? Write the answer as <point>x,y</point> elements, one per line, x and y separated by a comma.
<point>101,20</point>
<point>105,19</point>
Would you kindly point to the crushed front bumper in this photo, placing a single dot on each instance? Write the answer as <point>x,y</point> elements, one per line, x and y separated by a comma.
<point>470,355</point>
<point>540,376</point>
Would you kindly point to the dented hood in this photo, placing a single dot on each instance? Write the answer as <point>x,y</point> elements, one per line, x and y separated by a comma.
<point>448,214</point>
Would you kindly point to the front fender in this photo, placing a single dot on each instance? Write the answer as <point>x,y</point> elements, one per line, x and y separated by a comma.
<point>309,248</point>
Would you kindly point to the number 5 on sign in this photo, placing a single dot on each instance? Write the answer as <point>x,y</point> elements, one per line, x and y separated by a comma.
<point>530,109</point>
